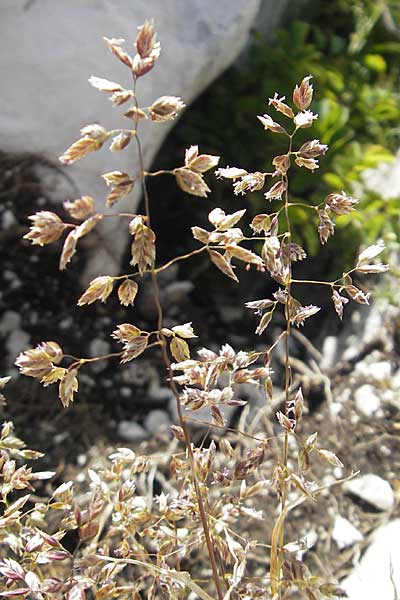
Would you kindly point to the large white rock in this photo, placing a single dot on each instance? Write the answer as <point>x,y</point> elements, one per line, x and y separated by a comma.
<point>373,489</point>
<point>49,48</point>
<point>378,573</point>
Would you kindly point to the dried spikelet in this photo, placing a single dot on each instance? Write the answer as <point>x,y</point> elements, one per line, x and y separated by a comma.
<point>38,362</point>
<point>261,223</point>
<point>87,225</point>
<point>68,386</point>
<point>134,348</point>
<point>177,432</point>
<point>69,249</point>
<point>304,313</point>
<point>81,208</point>
<point>281,163</point>
<point>121,141</point>
<point>270,125</point>
<point>200,163</point>
<point>80,149</point>
<point>249,183</point>
<point>222,221</point>
<point>200,234</point>
<point>119,98</point>
<point>165,108</point>
<point>191,182</point>
<point>146,42</point>
<point>339,302</point>
<point>371,251</point>
<point>53,376</point>
<point>114,45</point>
<point>148,50</point>
<point>308,163</point>
<point>264,322</point>
<point>357,295</point>
<point>244,254</point>
<point>127,292</point>
<point>3,383</point>
<point>184,331</point>
<point>136,114</point>
<point>326,227</point>
<point>143,248</point>
<point>340,204</point>
<point>276,191</point>
<point>104,85</point>
<point>121,183</point>
<point>141,66</point>
<point>222,264</point>
<point>179,349</point>
<point>281,106</point>
<point>312,149</point>
<point>230,173</point>
<point>47,228</point>
<point>99,289</point>
<point>304,119</point>
<point>303,94</point>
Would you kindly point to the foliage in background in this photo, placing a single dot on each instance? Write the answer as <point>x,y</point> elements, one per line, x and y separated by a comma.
<point>352,49</point>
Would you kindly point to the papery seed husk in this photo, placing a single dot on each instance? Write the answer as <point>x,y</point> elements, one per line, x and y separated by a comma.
<point>222,264</point>
<point>81,208</point>
<point>191,182</point>
<point>104,85</point>
<point>115,47</point>
<point>179,349</point>
<point>303,93</point>
<point>143,248</point>
<point>127,292</point>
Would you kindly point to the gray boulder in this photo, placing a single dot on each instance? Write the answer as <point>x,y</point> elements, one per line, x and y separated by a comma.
<point>49,48</point>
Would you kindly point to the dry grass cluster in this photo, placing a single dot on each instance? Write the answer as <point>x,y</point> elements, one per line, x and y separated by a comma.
<point>184,523</point>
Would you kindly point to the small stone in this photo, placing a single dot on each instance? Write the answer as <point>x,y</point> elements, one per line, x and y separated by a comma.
<point>231,314</point>
<point>131,431</point>
<point>98,347</point>
<point>160,394</point>
<point>372,489</point>
<point>157,421</point>
<point>125,391</point>
<point>380,371</point>
<point>329,351</point>
<point>17,342</point>
<point>344,533</point>
<point>335,408</point>
<point>8,219</point>
<point>9,321</point>
<point>367,400</point>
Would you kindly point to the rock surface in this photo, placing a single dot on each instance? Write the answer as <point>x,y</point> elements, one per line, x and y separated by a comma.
<point>378,573</point>
<point>62,46</point>
<point>372,489</point>
<point>344,533</point>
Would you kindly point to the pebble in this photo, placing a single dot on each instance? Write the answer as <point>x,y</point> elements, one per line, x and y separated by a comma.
<point>157,421</point>
<point>373,489</point>
<point>329,352</point>
<point>8,219</point>
<point>9,321</point>
<point>366,399</point>
<point>131,431</point>
<point>17,342</point>
<point>344,533</point>
<point>98,347</point>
